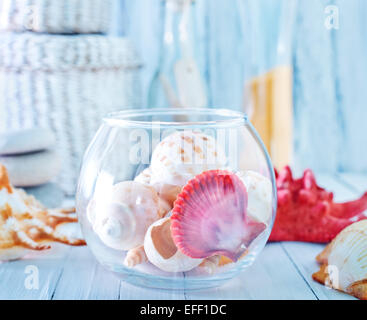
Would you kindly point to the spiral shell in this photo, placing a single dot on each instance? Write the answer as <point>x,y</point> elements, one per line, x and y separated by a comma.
<point>122,223</point>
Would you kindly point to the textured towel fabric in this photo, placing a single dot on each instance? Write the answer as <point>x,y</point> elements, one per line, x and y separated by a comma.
<point>70,94</point>
<point>55,16</point>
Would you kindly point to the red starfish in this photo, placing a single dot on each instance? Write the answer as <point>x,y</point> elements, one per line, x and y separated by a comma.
<point>306,212</point>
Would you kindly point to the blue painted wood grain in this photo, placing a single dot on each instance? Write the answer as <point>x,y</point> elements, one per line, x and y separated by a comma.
<point>237,39</point>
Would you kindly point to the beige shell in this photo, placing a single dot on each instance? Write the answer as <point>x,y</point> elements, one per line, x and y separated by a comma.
<point>25,224</point>
<point>183,155</point>
<point>122,223</point>
<point>259,191</point>
<point>166,192</point>
<point>163,253</point>
<point>211,264</point>
<point>135,256</point>
<point>345,261</point>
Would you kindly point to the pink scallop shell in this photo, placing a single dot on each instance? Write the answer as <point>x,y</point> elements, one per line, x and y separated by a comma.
<point>210,217</point>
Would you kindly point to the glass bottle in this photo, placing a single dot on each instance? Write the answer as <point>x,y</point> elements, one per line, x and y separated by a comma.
<point>177,82</point>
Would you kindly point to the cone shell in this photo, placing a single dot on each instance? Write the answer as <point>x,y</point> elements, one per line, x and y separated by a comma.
<point>210,217</point>
<point>182,155</point>
<point>122,224</point>
<point>163,253</point>
<point>345,261</point>
<point>259,191</point>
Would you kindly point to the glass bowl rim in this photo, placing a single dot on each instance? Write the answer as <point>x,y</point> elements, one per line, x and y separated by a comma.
<point>231,118</point>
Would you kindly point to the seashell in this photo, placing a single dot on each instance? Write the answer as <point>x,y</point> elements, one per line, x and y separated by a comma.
<point>167,193</point>
<point>135,256</point>
<point>211,264</point>
<point>210,217</point>
<point>345,261</point>
<point>323,257</point>
<point>163,207</point>
<point>162,251</point>
<point>14,240</point>
<point>259,190</point>
<point>25,224</point>
<point>122,223</point>
<point>182,155</point>
<point>144,177</point>
<point>224,260</point>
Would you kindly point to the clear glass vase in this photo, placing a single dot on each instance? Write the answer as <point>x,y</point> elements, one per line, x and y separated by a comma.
<point>176,198</point>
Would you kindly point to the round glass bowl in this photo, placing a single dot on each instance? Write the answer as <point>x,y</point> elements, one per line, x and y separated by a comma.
<point>176,198</point>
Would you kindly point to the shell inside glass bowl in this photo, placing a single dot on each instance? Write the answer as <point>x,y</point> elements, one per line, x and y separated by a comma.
<point>176,198</point>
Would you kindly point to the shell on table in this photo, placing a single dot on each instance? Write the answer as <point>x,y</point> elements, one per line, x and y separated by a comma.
<point>183,155</point>
<point>162,251</point>
<point>344,261</point>
<point>25,224</point>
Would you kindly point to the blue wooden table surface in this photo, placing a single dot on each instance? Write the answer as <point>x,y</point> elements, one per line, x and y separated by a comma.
<point>282,271</point>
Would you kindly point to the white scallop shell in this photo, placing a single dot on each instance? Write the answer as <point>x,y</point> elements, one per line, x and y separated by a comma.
<point>122,223</point>
<point>259,191</point>
<point>183,155</point>
<point>348,256</point>
<point>166,257</point>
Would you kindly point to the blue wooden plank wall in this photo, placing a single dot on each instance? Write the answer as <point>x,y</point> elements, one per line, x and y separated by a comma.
<point>237,39</point>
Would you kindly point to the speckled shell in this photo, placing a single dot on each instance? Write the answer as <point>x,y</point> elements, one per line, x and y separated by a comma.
<point>182,155</point>
<point>144,177</point>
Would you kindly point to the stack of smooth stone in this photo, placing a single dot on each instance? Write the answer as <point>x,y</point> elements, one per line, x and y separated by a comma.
<point>59,71</point>
<point>29,156</point>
